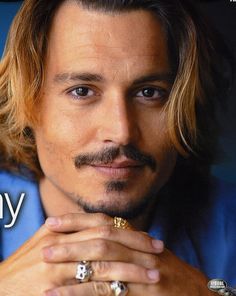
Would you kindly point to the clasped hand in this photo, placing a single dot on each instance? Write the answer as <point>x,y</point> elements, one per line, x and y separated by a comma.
<point>46,264</point>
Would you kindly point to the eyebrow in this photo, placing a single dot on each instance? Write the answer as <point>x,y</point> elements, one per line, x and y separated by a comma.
<point>67,77</point>
<point>90,77</point>
<point>165,77</point>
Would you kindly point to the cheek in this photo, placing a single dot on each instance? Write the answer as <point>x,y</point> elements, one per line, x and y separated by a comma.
<point>61,129</point>
<point>57,138</point>
<point>155,132</point>
<point>53,138</point>
<point>52,150</point>
<point>158,141</point>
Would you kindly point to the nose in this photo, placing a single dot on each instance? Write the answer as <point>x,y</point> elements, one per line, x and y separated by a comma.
<point>118,123</point>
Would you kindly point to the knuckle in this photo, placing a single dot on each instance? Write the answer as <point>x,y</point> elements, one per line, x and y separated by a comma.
<point>151,261</point>
<point>68,219</point>
<point>102,218</point>
<point>101,247</point>
<point>105,231</point>
<point>102,268</point>
<point>48,240</point>
<point>51,281</point>
<point>65,252</point>
<point>101,289</point>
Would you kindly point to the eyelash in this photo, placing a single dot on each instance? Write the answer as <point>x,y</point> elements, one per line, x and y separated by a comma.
<point>162,96</point>
<point>162,93</point>
<point>77,97</point>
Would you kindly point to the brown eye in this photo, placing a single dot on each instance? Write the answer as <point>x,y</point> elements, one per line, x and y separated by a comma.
<point>82,92</point>
<point>148,92</point>
<point>152,93</point>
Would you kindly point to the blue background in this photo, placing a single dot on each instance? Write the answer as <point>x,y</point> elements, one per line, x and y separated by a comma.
<point>7,12</point>
<point>223,15</point>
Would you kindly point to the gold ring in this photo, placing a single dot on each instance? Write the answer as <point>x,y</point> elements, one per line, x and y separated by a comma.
<point>120,223</point>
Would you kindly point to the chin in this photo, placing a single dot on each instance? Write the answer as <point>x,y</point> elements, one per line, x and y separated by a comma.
<point>117,204</point>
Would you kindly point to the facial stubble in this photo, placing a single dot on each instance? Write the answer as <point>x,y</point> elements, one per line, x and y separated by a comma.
<point>116,189</point>
<point>127,209</point>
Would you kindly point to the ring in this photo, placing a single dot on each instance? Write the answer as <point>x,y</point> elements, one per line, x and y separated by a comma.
<point>120,223</point>
<point>83,271</point>
<point>119,288</point>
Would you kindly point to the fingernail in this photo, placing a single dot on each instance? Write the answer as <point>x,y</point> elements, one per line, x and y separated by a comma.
<point>153,274</point>
<point>53,222</point>
<point>158,245</point>
<point>47,253</point>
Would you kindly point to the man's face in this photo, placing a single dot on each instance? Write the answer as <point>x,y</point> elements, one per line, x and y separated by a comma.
<point>102,137</point>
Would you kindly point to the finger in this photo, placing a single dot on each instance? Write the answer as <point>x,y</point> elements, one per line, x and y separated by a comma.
<point>102,289</point>
<point>86,289</point>
<point>132,239</point>
<point>107,271</point>
<point>98,250</point>
<point>77,222</point>
<point>125,272</point>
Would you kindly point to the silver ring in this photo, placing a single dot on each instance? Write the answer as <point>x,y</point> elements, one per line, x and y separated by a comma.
<point>83,271</point>
<point>119,288</point>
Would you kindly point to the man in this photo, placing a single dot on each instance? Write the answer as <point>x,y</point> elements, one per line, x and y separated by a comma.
<point>106,110</point>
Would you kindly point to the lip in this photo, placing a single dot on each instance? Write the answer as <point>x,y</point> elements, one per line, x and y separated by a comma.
<point>119,169</point>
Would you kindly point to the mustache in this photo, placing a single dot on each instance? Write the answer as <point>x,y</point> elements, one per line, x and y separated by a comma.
<point>108,155</point>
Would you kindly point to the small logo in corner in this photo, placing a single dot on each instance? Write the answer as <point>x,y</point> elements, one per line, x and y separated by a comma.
<point>220,286</point>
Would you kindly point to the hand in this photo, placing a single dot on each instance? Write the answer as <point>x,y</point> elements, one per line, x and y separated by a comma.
<point>24,272</point>
<point>112,261</point>
<point>176,278</point>
<point>33,268</point>
<point>115,254</point>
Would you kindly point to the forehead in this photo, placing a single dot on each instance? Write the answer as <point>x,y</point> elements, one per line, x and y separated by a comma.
<point>79,36</point>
